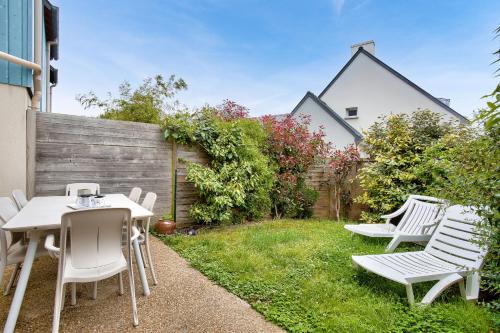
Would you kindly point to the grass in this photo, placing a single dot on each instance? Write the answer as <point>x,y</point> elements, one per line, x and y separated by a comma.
<point>299,275</point>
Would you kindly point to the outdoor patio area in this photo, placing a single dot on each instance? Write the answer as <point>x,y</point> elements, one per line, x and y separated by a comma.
<point>183,301</point>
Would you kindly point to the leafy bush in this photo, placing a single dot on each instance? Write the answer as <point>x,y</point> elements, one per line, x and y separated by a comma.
<point>235,185</point>
<point>464,168</point>
<point>293,148</point>
<point>394,146</point>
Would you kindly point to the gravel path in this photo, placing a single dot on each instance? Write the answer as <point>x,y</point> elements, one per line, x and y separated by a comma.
<point>183,301</point>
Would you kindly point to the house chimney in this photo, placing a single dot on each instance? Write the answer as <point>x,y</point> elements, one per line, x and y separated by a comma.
<point>445,101</point>
<point>368,46</point>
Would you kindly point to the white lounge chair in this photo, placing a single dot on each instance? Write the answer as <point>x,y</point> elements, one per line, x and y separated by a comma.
<point>72,189</point>
<point>95,253</point>
<point>420,215</point>
<point>451,255</point>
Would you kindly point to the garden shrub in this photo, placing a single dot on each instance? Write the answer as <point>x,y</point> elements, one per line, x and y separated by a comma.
<point>235,185</point>
<point>342,162</point>
<point>394,146</point>
<point>293,148</point>
<point>464,168</point>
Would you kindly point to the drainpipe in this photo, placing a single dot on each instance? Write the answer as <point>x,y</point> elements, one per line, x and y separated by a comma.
<point>48,99</point>
<point>37,55</point>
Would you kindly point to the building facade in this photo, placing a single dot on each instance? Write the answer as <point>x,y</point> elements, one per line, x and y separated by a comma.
<point>19,32</point>
<point>364,90</point>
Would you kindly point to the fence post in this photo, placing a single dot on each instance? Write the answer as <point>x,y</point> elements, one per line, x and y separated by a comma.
<point>173,187</point>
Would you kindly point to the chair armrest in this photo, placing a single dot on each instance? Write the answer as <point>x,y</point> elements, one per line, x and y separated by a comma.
<point>135,233</point>
<point>400,211</point>
<point>49,245</point>
<point>434,222</point>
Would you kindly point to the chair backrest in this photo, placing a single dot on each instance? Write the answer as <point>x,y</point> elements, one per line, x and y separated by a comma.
<point>72,189</point>
<point>96,236</point>
<point>149,201</point>
<point>7,211</point>
<point>19,198</point>
<point>419,212</point>
<point>455,238</point>
<point>135,194</point>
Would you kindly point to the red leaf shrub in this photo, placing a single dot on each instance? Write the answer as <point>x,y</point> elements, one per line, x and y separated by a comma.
<point>230,110</point>
<point>294,149</point>
<point>341,163</point>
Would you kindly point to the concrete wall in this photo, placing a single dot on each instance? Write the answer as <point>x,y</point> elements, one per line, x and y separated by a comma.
<point>14,101</point>
<point>335,133</point>
<point>375,92</point>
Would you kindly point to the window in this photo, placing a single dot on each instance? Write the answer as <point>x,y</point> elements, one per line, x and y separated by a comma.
<point>351,112</point>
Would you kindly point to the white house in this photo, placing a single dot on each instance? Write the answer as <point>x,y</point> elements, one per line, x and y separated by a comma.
<point>364,90</point>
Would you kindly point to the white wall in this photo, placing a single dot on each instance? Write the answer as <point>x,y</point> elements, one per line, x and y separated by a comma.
<point>375,91</point>
<point>14,101</point>
<point>335,133</point>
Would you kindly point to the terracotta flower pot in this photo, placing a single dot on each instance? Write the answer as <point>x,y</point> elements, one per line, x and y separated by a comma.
<point>165,227</point>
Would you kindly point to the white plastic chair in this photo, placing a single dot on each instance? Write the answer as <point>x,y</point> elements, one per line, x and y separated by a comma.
<point>451,255</point>
<point>12,248</point>
<point>19,198</point>
<point>135,194</point>
<point>148,203</point>
<point>420,215</point>
<point>95,252</point>
<point>72,189</point>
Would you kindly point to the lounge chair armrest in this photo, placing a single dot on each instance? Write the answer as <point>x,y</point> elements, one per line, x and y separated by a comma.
<point>49,245</point>
<point>434,223</point>
<point>135,233</point>
<point>400,211</point>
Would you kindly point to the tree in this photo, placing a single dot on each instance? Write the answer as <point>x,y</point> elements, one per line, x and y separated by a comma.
<point>149,103</point>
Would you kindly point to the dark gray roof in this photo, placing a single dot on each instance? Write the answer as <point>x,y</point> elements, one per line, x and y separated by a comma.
<point>333,114</point>
<point>397,74</point>
<point>51,20</point>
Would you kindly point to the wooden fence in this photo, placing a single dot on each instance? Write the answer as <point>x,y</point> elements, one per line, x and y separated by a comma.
<point>120,155</point>
<point>317,177</point>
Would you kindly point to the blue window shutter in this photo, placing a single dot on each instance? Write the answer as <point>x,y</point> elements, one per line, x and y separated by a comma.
<point>16,39</point>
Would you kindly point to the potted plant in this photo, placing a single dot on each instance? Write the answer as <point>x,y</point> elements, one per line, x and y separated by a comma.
<point>165,225</point>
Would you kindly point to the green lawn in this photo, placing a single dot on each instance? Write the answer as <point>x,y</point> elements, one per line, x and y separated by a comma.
<point>299,275</point>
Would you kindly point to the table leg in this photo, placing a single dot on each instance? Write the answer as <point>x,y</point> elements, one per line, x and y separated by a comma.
<point>140,267</point>
<point>17,301</point>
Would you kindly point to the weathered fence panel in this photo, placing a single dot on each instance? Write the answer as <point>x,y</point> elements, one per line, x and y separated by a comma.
<point>120,155</point>
<point>318,178</point>
<point>116,154</point>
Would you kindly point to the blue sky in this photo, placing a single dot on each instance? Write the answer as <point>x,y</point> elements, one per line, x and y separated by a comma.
<point>267,54</point>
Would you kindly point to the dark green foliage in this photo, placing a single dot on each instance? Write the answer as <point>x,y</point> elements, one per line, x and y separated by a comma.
<point>235,186</point>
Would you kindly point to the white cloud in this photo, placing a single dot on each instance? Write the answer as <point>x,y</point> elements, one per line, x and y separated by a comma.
<point>338,4</point>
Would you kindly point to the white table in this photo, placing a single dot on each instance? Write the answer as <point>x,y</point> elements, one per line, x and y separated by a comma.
<point>44,213</point>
